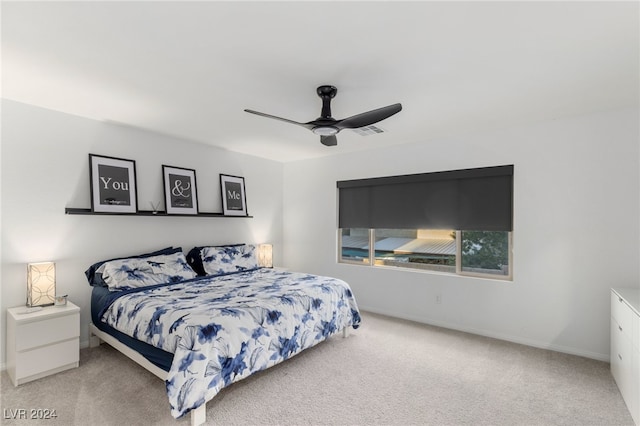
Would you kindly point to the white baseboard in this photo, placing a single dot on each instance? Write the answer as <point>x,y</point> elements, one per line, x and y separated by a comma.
<point>508,338</point>
<point>493,335</point>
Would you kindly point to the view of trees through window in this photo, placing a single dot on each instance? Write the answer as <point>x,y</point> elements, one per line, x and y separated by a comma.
<point>485,252</point>
<point>467,252</point>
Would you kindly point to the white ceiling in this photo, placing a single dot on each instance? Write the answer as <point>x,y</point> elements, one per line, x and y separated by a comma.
<point>188,69</point>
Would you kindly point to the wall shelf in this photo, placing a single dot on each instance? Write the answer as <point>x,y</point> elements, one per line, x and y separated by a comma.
<point>71,210</point>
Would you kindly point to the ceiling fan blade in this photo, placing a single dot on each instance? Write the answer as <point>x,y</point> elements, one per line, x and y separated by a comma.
<point>369,117</point>
<point>329,140</point>
<point>286,120</point>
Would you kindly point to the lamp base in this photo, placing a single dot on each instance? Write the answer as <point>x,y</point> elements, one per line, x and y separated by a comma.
<point>39,306</point>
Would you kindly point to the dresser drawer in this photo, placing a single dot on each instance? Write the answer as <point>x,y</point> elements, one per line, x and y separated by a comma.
<point>39,333</point>
<point>621,358</point>
<point>622,314</point>
<point>47,358</point>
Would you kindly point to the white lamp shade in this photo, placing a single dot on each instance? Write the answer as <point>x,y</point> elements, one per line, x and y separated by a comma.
<point>265,255</point>
<point>41,284</point>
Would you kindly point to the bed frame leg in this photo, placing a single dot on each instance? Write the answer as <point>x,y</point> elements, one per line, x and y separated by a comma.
<point>345,332</point>
<point>94,341</point>
<point>199,415</point>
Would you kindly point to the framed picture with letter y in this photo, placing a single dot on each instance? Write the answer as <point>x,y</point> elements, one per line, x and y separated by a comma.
<point>234,199</point>
<point>113,184</point>
<point>180,194</point>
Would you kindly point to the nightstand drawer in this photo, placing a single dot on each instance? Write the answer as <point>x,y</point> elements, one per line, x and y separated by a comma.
<point>40,333</point>
<point>47,358</point>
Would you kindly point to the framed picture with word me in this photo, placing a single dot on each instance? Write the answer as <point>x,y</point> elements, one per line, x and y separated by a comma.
<point>234,199</point>
<point>180,194</point>
<point>113,184</point>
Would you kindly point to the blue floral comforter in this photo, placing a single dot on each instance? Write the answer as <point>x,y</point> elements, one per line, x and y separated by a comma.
<point>222,329</point>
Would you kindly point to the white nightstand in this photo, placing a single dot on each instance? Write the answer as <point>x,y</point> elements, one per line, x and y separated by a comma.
<point>43,342</point>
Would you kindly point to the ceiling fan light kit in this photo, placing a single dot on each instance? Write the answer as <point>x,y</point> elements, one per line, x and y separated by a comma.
<point>327,127</point>
<point>324,130</point>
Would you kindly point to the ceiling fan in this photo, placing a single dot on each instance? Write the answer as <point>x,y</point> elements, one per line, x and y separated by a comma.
<point>327,127</point>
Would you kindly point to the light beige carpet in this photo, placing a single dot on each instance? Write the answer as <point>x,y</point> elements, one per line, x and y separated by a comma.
<point>388,372</point>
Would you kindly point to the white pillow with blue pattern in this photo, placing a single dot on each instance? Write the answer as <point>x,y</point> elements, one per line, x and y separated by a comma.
<point>226,259</point>
<point>123,274</point>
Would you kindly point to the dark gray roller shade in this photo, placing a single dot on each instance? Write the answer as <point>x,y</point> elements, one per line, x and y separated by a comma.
<point>470,199</point>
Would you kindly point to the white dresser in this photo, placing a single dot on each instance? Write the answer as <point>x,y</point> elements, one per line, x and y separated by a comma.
<point>625,346</point>
<point>43,342</point>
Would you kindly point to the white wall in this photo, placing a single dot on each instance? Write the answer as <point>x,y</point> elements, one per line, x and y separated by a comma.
<point>576,230</point>
<point>577,185</point>
<point>45,168</point>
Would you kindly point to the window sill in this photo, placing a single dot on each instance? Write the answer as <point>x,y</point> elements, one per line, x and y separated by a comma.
<point>505,279</point>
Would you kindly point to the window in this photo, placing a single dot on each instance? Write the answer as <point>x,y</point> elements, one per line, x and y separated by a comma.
<point>485,252</point>
<point>354,245</point>
<point>416,248</point>
<point>473,253</point>
<point>457,221</point>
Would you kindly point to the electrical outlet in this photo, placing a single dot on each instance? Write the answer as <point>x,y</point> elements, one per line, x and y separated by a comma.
<point>438,299</point>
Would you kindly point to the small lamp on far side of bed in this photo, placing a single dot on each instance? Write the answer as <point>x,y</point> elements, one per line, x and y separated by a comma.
<point>41,284</point>
<point>265,255</point>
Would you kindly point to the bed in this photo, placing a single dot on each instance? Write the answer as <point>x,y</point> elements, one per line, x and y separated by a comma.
<point>204,323</point>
